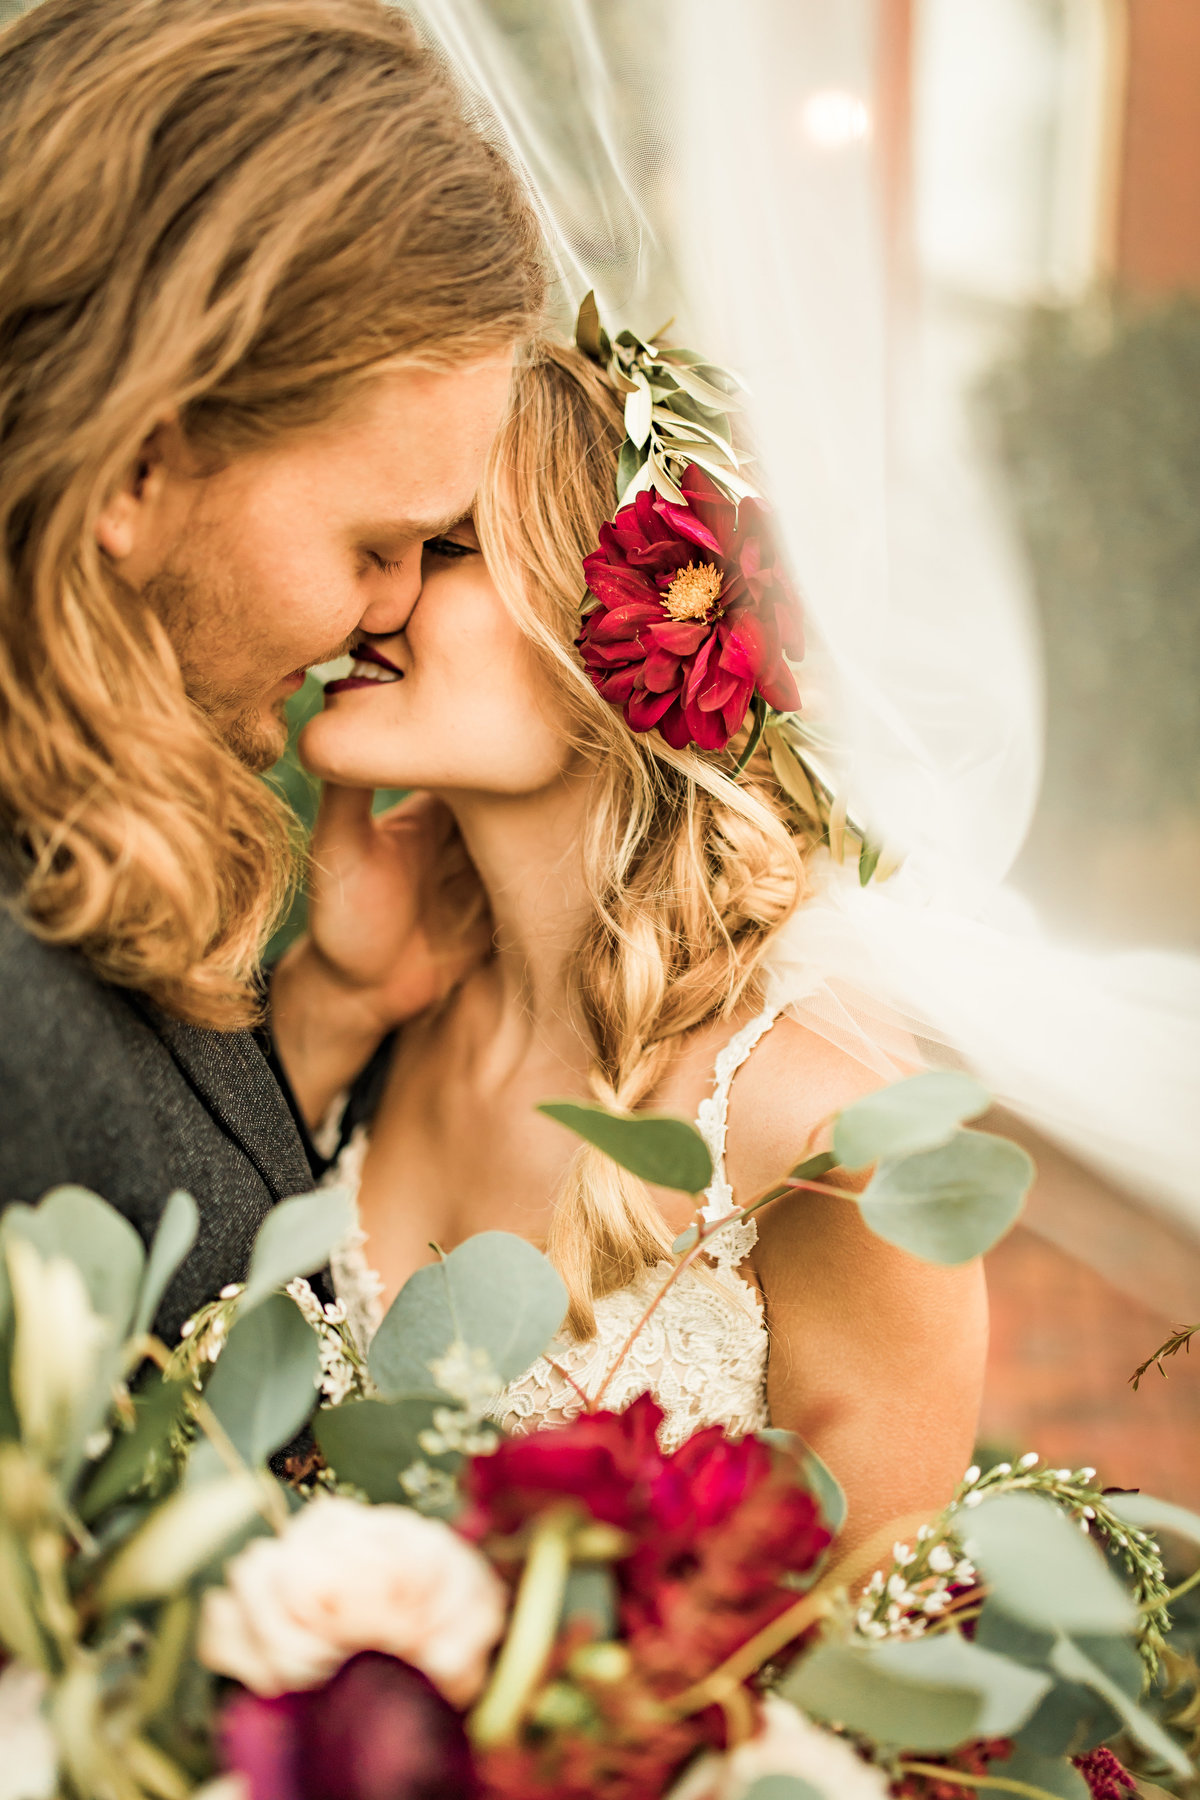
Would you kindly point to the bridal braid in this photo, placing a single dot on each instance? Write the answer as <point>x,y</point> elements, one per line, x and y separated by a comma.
<point>690,872</point>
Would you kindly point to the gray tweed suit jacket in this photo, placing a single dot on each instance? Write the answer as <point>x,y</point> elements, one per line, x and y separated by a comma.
<point>100,1088</point>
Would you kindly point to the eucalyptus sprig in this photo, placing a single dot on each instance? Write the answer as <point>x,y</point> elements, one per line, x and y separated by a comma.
<point>914,1591</point>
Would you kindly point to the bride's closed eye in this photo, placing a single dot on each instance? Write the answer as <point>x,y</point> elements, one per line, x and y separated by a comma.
<point>448,548</point>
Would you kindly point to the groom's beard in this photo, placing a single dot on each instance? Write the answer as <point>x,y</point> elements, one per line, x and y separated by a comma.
<point>227,671</point>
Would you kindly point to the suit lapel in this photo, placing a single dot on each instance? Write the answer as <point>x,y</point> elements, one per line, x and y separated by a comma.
<point>231,1076</point>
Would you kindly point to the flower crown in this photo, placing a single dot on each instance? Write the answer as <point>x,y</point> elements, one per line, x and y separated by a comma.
<point>691,624</point>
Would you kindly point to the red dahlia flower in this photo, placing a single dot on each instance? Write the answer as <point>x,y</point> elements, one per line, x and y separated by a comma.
<point>694,615</point>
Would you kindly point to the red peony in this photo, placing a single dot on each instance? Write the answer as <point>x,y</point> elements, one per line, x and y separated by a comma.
<point>714,1526</point>
<point>694,615</point>
<point>609,1462</point>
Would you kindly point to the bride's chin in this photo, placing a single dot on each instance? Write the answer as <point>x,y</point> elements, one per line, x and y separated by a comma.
<point>349,758</point>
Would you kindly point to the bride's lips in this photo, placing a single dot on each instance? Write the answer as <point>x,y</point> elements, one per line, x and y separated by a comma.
<point>366,657</point>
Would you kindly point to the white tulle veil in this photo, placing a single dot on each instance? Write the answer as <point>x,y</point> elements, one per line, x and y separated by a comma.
<point>722,165</point>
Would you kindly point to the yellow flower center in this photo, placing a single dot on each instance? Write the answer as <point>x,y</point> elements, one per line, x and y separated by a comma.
<point>693,591</point>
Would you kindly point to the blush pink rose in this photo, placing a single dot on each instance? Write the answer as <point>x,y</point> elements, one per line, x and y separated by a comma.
<point>343,1577</point>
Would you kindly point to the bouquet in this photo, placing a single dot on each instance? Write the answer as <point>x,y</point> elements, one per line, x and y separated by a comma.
<point>198,1599</point>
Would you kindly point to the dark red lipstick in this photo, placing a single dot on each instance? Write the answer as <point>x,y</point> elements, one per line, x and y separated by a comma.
<point>365,653</point>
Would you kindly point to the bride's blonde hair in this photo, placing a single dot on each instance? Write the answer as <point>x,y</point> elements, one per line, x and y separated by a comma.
<point>690,872</point>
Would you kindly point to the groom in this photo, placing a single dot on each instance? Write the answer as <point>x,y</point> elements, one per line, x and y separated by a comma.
<point>259,290</point>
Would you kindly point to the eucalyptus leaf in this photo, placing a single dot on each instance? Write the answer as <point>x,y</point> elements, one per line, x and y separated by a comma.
<point>1009,1690</point>
<point>859,1689</point>
<point>814,1168</point>
<point>720,471</point>
<point>495,1294</point>
<point>660,480</point>
<point>1070,1721</point>
<point>174,1237</point>
<point>1052,1774</point>
<point>786,1787</point>
<point>138,1457</point>
<point>813,1474</point>
<point>296,1238</point>
<point>1152,1515</point>
<point>950,1204</point>
<point>638,413</point>
<point>701,391</point>
<point>1041,1569</point>
<point>790,774</point>
<point>687,1240</point>
<point>74,1223</point>
<point>1074,1664</point>
<point>643,477</point>
<point>264,1384</point>
<point>658,1147</point>
<point>179,1538</point>
<point>370,1443</point>
<point>629,462</point>
<point>676,418</point>
<point>587,327</point>
<point>915,1114</point>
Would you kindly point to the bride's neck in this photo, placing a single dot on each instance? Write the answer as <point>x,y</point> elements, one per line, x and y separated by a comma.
<point>528,852</point>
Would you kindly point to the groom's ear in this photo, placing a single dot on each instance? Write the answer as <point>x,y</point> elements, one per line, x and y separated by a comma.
<point>130,524</point>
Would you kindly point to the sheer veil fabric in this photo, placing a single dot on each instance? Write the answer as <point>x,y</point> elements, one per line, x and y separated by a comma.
<point>706,162</point>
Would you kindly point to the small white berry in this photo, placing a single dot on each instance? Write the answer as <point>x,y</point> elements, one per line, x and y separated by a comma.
<point>187,1328</point>
<point>1028,1460</point>
<point>230,1291</point>
<point>972,1475</point>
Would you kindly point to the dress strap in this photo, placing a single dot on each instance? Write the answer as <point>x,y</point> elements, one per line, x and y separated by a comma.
<point>713,1119</point>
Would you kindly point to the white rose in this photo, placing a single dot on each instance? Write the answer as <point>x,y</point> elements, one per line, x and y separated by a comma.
<point>787,1744</point>
<point>343,1577</point>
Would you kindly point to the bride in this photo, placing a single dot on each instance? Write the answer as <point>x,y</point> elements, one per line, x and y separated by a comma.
<point>631,893</point>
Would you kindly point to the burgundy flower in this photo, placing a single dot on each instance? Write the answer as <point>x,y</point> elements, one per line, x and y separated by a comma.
<point>694,614</point>
<point>1106,1778</point>
<point>378,1731</point>
<point>609,1462</point>
<point>714,1525</point>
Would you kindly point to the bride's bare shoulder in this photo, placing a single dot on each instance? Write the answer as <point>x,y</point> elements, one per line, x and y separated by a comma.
<point>782,1100</point>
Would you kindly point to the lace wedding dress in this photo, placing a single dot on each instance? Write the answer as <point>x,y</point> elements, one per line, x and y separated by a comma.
<point>703,1351</point>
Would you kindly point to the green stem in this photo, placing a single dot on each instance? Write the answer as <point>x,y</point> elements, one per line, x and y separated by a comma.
<point>531,1631</point>
<point>955,1777</point>
<point>1185,1587</point>
<point>706,1234</point>
<point>756,731</point>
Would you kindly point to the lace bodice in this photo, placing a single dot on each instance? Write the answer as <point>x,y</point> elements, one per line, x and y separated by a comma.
<point>703,1351</point>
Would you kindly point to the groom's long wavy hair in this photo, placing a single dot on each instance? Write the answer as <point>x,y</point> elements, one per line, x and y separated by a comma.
<point>225,211</point>
<point>690,873</point>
